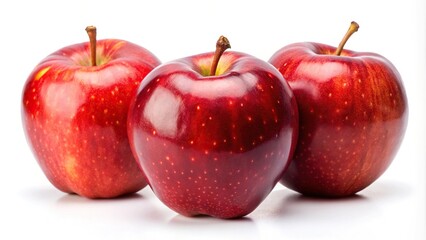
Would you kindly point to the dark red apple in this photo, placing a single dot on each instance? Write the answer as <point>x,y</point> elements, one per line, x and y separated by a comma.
<point>74,113</point>
<point>213,137</point>
<point>353,115</point>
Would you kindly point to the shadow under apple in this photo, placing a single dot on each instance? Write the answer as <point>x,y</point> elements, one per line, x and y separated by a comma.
<point>286,204</point>
<point>213,228</point>
<point>71,198</point>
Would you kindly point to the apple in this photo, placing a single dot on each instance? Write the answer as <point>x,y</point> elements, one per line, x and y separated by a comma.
<point>74,114</point>
<point>353,116</point>
<point>213,132</point>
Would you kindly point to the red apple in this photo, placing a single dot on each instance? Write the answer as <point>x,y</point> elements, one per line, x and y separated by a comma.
<point>213,137</point>
<point>353,115</point>
<point>74,112</point>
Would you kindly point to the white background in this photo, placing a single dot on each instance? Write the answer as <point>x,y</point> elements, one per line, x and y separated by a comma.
<point>30,207</point>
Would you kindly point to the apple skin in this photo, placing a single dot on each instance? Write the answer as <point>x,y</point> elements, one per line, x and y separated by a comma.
<point>353,116</point>
<point>213,145</point>
<point>74,116</point>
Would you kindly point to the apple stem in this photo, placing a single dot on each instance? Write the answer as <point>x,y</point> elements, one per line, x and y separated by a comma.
<point>221,45</point>
<point>352,29</point>
<point>91,31</point>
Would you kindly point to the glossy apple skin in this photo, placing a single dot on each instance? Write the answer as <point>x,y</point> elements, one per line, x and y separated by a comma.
<point>353,116</point>
<point>213,145</point>
<point>74,117</point>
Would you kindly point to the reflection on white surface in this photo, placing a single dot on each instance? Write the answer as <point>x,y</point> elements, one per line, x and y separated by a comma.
<point>283,215</point>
